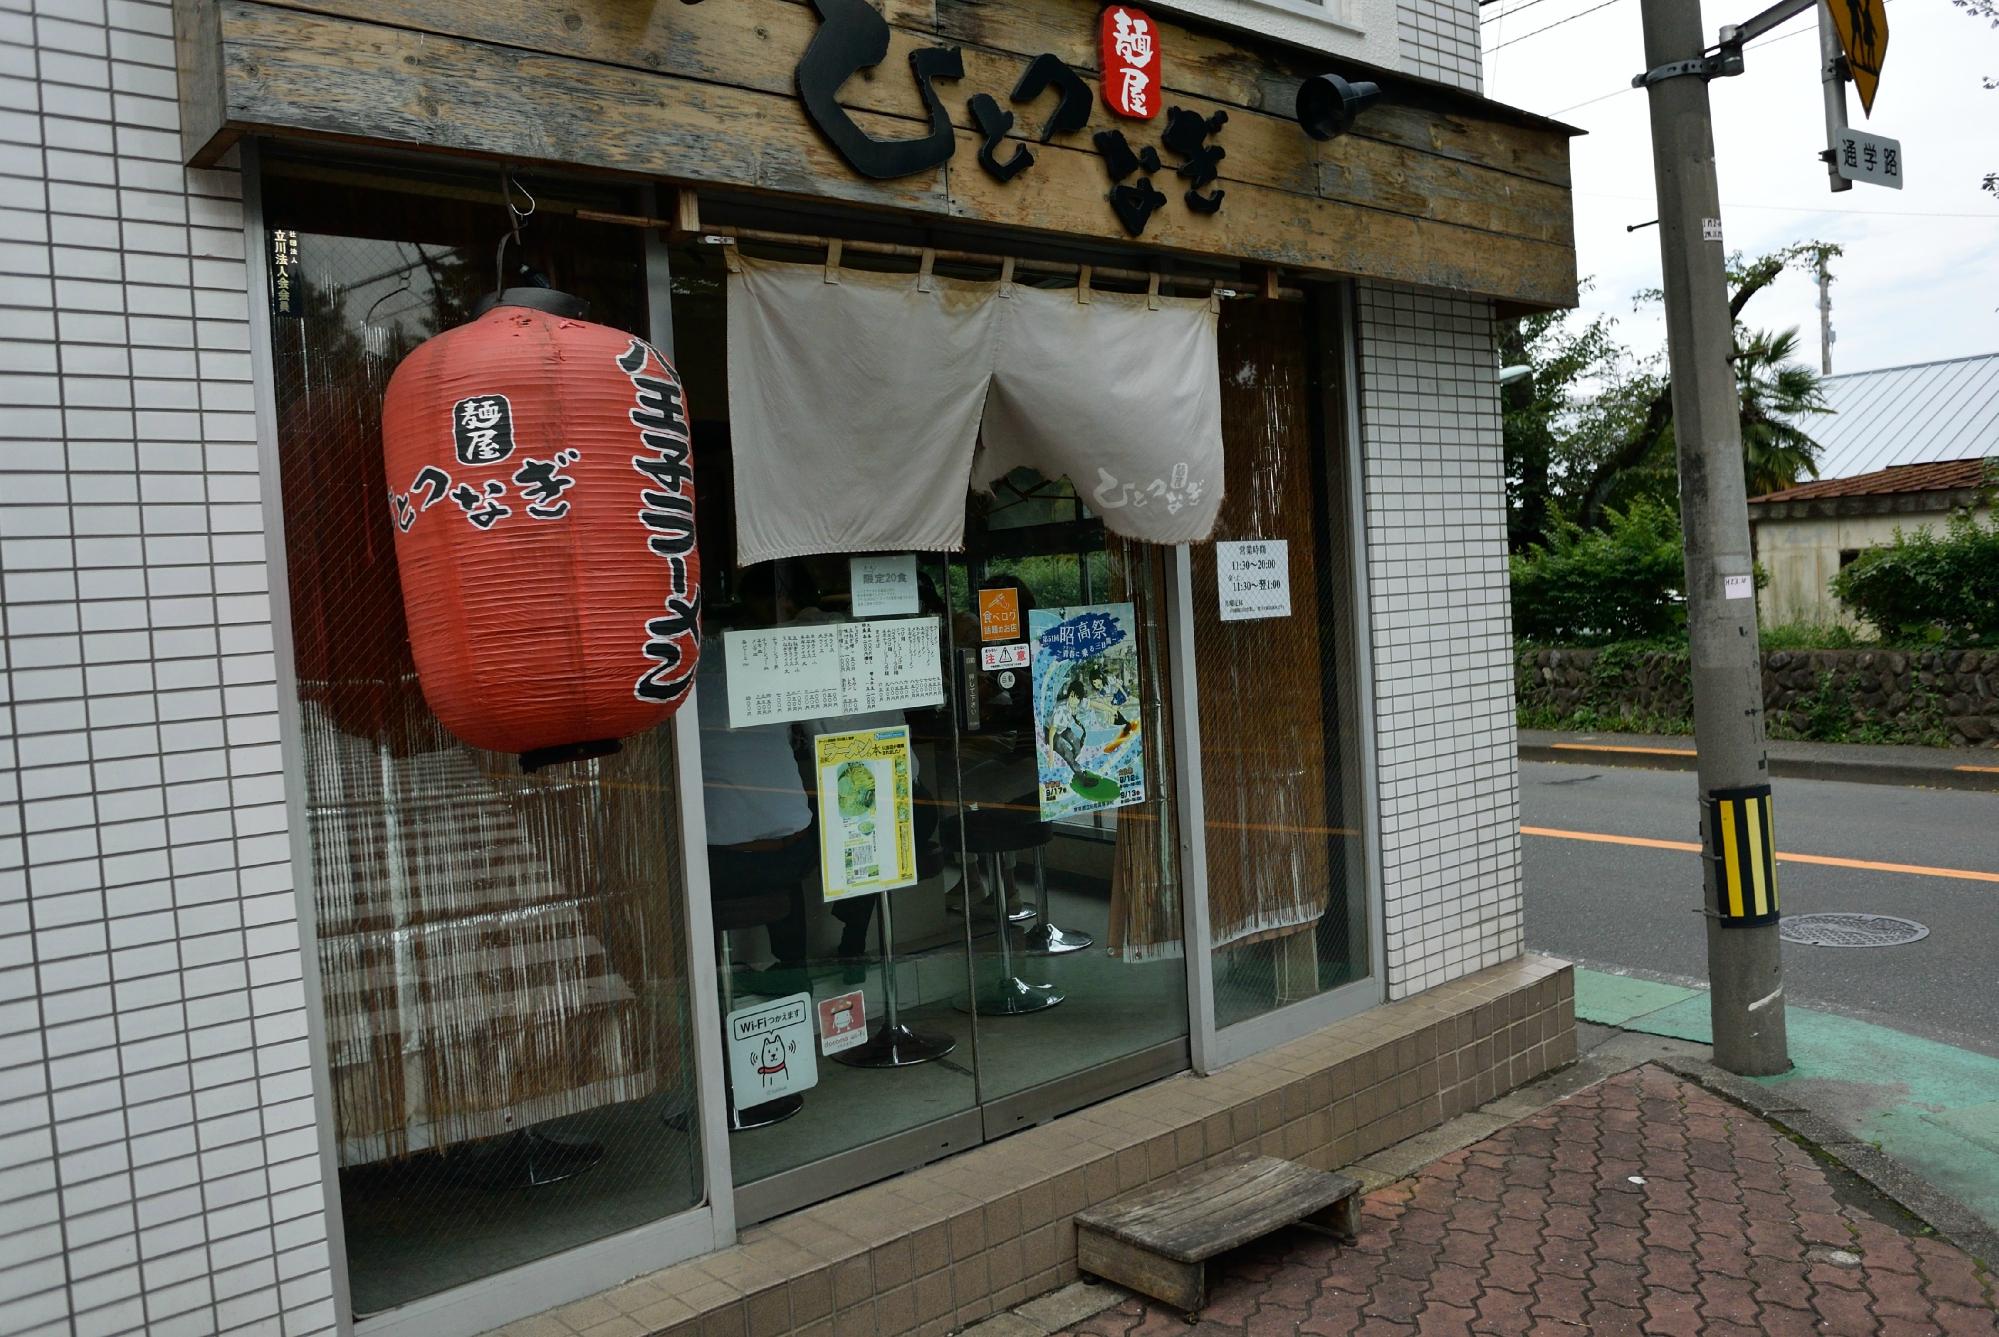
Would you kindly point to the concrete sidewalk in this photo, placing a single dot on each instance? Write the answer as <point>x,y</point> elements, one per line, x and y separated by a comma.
<point>1862,763</point>
<point>1640,1204</point>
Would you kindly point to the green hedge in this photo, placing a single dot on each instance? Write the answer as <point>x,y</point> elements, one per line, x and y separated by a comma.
<point>1930,587</point>
<point>1587,587</point>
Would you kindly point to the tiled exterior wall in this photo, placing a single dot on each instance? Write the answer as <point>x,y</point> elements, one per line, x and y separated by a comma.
<point>159,1166</point>
<point>1440,40</point>
<point>1441,617</point>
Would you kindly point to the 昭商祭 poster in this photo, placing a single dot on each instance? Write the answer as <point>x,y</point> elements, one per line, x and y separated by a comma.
<point>1087,745</point>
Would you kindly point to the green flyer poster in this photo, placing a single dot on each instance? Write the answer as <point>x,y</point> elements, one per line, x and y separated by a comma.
<point>867,822</point>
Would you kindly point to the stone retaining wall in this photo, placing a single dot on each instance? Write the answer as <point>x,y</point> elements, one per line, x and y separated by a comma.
<point>1953,693</point>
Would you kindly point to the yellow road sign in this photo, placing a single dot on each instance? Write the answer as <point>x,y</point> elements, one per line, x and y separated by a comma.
<point>1862,26</point>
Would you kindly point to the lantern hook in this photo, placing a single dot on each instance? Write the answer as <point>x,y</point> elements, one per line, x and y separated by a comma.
<point>509,183</point>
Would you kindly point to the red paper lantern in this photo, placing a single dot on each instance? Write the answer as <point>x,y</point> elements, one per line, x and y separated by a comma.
<point>1128,48</point>
<point>541,484</point>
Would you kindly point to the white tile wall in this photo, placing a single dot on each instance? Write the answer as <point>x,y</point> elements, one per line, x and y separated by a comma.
<point>1441,617</point>
<point>1440,40</point>
<point>159,1166</point>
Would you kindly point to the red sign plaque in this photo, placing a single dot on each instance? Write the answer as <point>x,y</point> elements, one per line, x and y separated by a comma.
<point>1128,42</point>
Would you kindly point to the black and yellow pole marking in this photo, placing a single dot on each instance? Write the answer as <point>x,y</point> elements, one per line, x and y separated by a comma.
<point>1741,838</point>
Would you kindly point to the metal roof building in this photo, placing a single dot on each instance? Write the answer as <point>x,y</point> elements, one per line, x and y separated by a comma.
<point>1918,414</point>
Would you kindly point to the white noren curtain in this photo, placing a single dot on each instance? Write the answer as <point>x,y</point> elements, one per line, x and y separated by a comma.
<point>855,406</point>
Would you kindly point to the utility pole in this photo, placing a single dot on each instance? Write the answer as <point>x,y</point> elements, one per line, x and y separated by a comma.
<point>1832,75</point>
<point>1745,970</point>
<point>1825,317</point>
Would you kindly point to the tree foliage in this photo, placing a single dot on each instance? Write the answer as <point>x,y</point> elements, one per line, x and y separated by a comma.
<point>1591,430</point>
<point>1989,11</point>
<point>1588,586</point>
<point>1930,586</point>
<point>1775,392</point>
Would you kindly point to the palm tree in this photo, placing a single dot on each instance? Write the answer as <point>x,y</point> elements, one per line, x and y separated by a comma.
<point>1776,394</point>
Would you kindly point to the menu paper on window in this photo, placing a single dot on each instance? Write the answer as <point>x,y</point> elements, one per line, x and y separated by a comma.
<point>867,815</point>
<point>832,668</point>
<point>1253,577</point>
<point>883,585</point>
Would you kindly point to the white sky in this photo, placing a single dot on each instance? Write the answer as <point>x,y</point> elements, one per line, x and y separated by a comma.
<point>1909,288</point>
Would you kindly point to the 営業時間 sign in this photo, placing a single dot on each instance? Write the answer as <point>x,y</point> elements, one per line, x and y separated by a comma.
<point>1253,577</point>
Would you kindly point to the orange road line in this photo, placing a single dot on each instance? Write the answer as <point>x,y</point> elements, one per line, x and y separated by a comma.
<point>1824,860</point>
<point>1598,837</point>
<point>1648,751</point>
<point>1988,770</point>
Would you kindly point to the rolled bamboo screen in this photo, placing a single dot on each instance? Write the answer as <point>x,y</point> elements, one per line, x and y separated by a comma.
<point>1266,785</point>
<point>1145,915</point>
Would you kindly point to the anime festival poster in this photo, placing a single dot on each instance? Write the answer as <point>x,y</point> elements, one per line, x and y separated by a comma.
<point>1087,746</point>
<point>867,819</point>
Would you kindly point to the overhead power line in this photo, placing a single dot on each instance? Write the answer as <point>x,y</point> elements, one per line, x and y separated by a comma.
<point>1988,216</point>
<point>1509,13</point>
<point>1549,27</point>
<point>1603,97</point>
<point>1627,88</point>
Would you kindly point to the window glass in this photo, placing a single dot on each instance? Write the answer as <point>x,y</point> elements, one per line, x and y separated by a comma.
<point>502,955</point>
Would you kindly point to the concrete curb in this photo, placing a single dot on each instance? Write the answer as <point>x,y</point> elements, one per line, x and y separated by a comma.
<point>1946,1215</point>
<point>1782,768</point>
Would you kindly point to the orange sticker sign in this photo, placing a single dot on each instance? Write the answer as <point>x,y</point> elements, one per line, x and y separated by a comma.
<point>999,614</point>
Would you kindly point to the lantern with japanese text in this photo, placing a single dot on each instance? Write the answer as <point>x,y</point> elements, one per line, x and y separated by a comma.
<point>541,484</point>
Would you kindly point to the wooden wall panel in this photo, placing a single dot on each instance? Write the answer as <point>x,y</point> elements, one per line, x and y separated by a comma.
<point>198,53</point>
<point>704,94</point>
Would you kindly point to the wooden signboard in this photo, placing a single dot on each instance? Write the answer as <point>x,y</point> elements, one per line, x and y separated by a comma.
<point>1434,187</point>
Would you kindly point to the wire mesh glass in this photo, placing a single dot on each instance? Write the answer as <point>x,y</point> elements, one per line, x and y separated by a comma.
<point>1280,760</point>
<point>503,955</point>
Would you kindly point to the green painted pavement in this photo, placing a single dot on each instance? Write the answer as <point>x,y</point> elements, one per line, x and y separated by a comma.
<point>1931,1106</point>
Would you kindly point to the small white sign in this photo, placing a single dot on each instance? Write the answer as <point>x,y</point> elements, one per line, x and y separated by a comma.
<point>884,585</point>
<point>1254,578</point>
<point>771,1050</point>
<point>1738,587</point>
<point>1710,229</point>
<point>995,657</point>
<point>1876,159</point>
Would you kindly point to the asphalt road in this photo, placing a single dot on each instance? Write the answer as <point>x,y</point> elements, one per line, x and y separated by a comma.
<point>1634,909</point>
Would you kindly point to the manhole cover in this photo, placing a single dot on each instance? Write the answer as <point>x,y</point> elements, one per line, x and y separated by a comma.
<point>1845,930</point>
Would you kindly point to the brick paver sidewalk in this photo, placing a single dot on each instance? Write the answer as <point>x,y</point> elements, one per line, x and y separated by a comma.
<point>1641,1205</point>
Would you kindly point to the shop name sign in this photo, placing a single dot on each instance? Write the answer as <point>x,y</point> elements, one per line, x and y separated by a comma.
<point>853,37</point>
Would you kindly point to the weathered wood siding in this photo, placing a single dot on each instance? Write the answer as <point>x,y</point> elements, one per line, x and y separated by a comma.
<point>1433,188</point>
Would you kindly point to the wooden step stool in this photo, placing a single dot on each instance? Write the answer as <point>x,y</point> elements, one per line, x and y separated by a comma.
<point>1158,1240</point>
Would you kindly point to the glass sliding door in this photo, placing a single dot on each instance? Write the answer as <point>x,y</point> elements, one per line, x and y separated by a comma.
<point>812,907</point>
<point>1065,812</point>
<point>1026,957</point>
